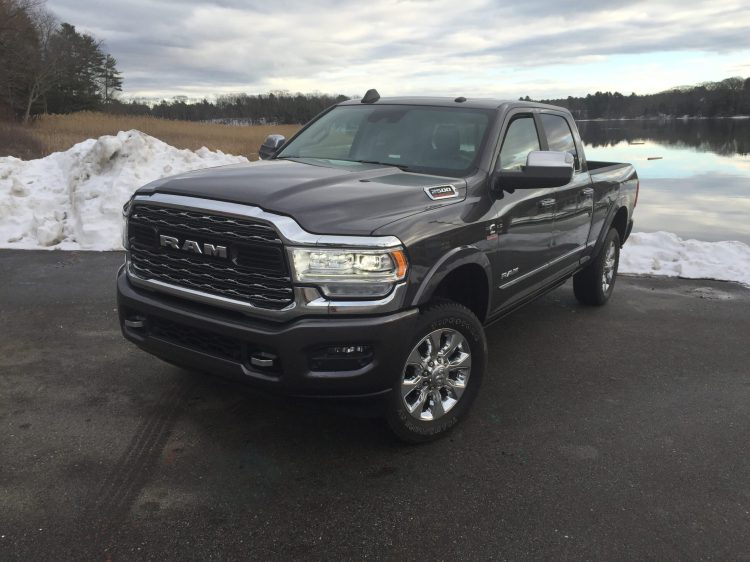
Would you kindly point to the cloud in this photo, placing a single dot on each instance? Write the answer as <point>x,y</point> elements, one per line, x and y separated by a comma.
<point>403,46</point>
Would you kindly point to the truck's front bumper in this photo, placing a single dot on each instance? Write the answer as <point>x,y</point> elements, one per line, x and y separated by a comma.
<point>304,357</point>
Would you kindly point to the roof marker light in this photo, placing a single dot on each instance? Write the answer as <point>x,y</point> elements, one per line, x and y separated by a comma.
<point>371,96</point>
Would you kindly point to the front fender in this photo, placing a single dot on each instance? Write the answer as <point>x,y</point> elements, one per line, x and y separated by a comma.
<point>457,257</point>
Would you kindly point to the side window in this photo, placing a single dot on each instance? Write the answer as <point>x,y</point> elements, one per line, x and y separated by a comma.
<point>520,139</point>
<point>559,135</point>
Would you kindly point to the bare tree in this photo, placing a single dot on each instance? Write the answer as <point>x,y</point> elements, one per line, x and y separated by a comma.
<point>27,63</point>
<point>17,39</point>
<point>43,71</point>
<point>13,10</point>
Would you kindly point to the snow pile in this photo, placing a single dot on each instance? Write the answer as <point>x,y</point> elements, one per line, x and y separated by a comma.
<point>664,253</point>
<point>73,200</point>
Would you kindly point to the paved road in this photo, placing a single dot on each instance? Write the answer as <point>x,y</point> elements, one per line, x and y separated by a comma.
<point>603,434</point>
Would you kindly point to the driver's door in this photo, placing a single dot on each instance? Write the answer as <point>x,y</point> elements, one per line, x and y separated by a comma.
<point>525,218</point>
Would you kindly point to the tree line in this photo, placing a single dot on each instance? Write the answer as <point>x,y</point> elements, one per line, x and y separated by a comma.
<point>710,99</point>
<point>275,107</point>
<point>50,67</point>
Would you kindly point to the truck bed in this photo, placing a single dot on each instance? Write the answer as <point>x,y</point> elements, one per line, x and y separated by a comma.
<point>598,166</point>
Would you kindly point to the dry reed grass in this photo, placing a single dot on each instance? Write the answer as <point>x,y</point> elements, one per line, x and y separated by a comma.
<point>60,132</point>
<point>19,141</point>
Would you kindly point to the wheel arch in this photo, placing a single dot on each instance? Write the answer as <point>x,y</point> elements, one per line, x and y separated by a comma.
<point>620,223</point>
<point>618,219</point>
<point>463,275</point>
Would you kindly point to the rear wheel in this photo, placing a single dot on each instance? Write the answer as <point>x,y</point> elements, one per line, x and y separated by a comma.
<point>441,375</point>
<point>594,284</point>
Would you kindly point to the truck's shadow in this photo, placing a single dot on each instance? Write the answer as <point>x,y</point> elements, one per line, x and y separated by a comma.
<point>237,410</point>
<point>237,415</point>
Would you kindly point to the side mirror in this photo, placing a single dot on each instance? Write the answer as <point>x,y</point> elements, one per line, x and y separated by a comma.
<point>270,146</point>
<point>544,168</point>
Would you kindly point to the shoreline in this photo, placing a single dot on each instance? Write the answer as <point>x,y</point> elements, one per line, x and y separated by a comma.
<point>666,118</point>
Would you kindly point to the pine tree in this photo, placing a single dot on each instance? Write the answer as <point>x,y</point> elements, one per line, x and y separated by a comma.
<point>111,79</point>
<point>80,68</point>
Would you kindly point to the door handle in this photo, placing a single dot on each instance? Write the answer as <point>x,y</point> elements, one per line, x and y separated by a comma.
<point>545,203</point>
<point>587,196</point>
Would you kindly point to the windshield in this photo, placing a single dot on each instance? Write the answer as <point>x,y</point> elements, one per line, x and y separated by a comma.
<point>433,140</point>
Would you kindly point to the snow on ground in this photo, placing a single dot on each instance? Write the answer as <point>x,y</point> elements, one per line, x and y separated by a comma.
<point>73,200</point>
<point>664,253</point>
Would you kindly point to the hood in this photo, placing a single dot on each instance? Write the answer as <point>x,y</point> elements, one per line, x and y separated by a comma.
<point>323,198</point>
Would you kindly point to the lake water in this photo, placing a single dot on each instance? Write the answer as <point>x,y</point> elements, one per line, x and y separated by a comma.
<point>700,186</point>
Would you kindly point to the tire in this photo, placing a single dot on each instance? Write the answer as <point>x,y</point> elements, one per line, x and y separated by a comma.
<point>455,374</point>
<point>594,284</point>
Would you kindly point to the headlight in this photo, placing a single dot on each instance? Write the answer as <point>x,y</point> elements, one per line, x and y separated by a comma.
<point>349,273</point>
<point>125,214</point>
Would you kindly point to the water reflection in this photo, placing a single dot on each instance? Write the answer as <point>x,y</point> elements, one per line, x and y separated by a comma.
<point>721,136</point>
<point>700,188</point>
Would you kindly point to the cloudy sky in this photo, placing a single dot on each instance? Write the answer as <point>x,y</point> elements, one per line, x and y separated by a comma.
<point>475,48</point>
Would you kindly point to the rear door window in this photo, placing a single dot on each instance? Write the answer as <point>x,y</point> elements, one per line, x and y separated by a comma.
<point>559,135</point>
<point>520,139</point>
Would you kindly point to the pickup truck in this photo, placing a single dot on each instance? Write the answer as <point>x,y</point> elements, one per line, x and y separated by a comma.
<point>365,255</point>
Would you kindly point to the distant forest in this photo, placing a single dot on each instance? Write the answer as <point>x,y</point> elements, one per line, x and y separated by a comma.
<point>710,99</point>
<point>236,109</point>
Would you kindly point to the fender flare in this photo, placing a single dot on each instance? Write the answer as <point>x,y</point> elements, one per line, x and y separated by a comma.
<point>457,257</point>
<point>608,221</point>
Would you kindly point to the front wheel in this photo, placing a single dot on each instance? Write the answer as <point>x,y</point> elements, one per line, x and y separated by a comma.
<point>594,284</point>
<point>441,375</point>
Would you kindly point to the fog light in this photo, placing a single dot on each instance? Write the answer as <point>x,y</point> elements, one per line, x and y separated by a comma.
<point>341,358</point>
<point>348,350</point>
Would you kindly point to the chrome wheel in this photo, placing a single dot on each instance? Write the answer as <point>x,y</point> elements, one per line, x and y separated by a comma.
<point>436,374</point>
<point>610,261</point>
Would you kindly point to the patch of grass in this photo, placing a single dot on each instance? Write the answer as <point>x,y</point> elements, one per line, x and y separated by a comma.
<point>59,132</point>
<point>19,141</point>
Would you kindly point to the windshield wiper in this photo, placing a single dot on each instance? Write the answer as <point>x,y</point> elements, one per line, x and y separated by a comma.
<point>401,167</point>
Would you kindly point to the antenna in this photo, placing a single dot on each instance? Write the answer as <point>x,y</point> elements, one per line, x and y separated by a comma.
<point>371,96</point>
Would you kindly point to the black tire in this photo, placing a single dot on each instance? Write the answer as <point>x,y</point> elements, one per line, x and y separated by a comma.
<point>589,284</point>
<point>452,318</point>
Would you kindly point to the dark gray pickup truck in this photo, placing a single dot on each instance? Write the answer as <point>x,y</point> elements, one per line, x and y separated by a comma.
<point>364,256</point>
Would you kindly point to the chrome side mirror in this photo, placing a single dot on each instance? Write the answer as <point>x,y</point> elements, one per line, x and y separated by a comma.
<point>270,146</point>
<point>563,161</point>
<point>544,168</point>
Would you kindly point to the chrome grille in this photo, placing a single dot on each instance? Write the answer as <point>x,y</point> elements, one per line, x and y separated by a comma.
<point>255,271</point>
<point>198,223</point>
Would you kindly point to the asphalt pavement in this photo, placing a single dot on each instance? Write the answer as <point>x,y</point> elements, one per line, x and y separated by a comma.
<point>614,433</point>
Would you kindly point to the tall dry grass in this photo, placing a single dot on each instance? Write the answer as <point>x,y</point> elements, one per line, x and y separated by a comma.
<point>17,140</point>
<point>59,132</point>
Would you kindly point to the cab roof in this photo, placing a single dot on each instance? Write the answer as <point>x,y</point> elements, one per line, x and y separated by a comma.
<point>474,103</point>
